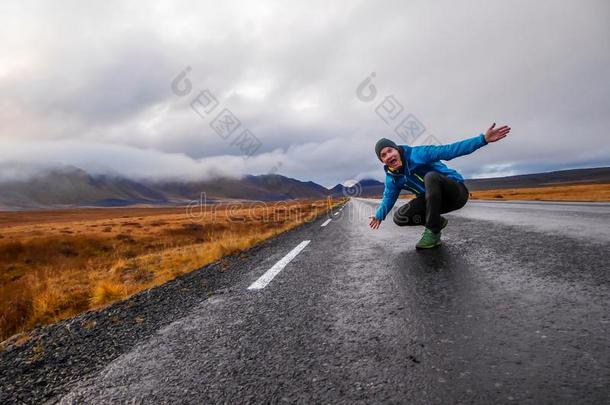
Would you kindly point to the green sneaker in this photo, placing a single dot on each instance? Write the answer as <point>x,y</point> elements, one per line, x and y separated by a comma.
<point>429,240</point>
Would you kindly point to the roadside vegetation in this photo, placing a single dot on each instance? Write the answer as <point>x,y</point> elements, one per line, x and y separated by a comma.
<point>57,264</point>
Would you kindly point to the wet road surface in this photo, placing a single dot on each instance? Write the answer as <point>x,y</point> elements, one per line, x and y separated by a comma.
<point>513,308</point>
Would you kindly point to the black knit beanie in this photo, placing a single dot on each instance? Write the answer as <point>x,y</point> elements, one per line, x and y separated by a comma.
<point>382,143</point>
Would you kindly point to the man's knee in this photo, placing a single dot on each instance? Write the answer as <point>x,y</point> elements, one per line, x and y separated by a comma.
<point>400,220</point>
<point>402,217</point>
<point>407,220</point>
<point>432,176</point>
<point>432,181</point>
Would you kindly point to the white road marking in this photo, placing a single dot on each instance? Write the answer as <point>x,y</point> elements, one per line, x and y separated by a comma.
<point>326,222</point>
<point>277,267</point>
<point>336,213</point>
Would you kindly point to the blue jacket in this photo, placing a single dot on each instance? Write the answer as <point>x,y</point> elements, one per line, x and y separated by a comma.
<point>419,160</point>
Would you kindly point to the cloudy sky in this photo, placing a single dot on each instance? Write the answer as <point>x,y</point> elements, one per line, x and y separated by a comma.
<point>156,89</point>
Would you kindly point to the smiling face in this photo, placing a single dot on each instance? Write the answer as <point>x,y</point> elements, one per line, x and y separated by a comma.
<point>390,157</point>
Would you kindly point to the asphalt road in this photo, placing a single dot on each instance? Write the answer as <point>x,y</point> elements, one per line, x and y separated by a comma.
<point>513,308</point>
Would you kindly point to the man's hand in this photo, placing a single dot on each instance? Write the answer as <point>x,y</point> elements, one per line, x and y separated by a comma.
<point>493,135</point>
<point>374,222</point>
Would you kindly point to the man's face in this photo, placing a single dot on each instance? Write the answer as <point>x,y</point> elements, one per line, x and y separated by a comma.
<point>390,157</point>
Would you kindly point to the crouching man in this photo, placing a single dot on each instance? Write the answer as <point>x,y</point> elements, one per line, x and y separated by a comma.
<point>438,189</point>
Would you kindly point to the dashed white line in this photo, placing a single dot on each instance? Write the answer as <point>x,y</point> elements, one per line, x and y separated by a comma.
<point>326,222</point>
<point>336,213</point>
<point>277,267</point>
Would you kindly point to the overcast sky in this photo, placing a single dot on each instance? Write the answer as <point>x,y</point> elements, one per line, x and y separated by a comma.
<point>95,85</point>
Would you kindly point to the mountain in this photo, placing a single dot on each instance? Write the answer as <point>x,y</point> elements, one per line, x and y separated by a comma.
<point>363,188</point>
<point>597,175</point>
<point>71,187</point>
<point>267,187</point>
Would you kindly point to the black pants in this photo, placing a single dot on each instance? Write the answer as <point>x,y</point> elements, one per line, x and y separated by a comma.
<point>442,195</point>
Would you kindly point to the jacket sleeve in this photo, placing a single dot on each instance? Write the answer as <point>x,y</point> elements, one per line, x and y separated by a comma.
<point>434,153</point>
<point>390,195</point>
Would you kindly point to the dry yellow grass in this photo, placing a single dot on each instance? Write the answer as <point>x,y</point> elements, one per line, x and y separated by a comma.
<point>56,264</point>
<point>574,192</point>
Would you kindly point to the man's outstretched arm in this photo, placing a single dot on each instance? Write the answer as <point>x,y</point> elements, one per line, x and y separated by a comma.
<point>434,153</point>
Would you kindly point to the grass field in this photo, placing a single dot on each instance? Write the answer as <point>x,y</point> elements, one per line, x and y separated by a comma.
<point>56,264</point>
<point>575,192</point>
